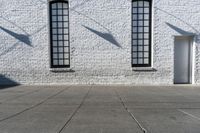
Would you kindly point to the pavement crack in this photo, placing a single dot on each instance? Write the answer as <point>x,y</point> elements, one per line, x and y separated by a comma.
<point>34,106</point>
<point>129,112</point>
<point>75,111</point>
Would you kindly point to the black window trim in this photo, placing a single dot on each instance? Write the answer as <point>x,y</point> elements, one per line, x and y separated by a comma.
<point>150,35</point>
<point>51,38</point>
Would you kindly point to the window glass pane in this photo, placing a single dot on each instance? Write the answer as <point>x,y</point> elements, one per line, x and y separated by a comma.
<point>60,43</point>
<point>54,43</point>
<point>146,54</point>
<point>55,56</point>
<point>54,37</point>
<point>61,56</point>
<point>65,24</point>
<point>146,23</point>
<point>134,10</point>
<point>146,4</point>
<point>66,62</point>
<point>65,18</point>
<point>146,61</point>
<point>135,55</point>
<point>60,18</point>
<point>60,50</point>
<point>146,29</point>
<point>60,37</point>
<point>140,61</point>
<point>60,12</point>
<point>55,62</point>
<point>135,48</point>
<point>134,42</point>
<point>61,62</point>
<point>140,48</point>
<point>54,12</point>
<point>55,50</point>
<point>135,23</point>
<point>66,49</point>
<point>146,36</point>
<point>134,17</point>
<point>59,5</point>
<point>54,25</point>
<point>134,36</point>
<point>60,25</point>
<point>140,16</point>
<point>146,16</point>
<point>146,42</point>
<point>140,3</point>
<point>53,6</point>
<point>54,31</point>
<point>146,48</point>
<point>140,36</point>
<point>66,37</point>
<point>140,10</point>
<point>66,31</point>
<point>66,43</point>
<point>140,29</point>
<point>66,56</point>
<point>140,23</point>
<point>140,54</point>
<point>135,4</point>
<point>140,42</point>
<point>65,12</point>
<point>65,5</point>
<point>134,61</point>
<point>146,10</point>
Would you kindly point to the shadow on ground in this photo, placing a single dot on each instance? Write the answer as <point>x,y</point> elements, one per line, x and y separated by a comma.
<point>6,83</point>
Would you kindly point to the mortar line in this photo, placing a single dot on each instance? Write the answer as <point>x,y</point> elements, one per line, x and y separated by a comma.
<point>34,106</point>
<point>75,111</point>
<point>129,112</point>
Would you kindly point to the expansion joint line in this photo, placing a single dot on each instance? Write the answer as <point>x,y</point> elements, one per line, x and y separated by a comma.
<point>75,111</point>
<point>34,106</point>
<point>129,112</point>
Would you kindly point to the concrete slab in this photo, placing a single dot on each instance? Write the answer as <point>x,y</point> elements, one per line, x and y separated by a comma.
<point>100,109</point>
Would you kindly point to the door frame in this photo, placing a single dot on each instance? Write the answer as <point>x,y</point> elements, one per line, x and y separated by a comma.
<point>192,57</point>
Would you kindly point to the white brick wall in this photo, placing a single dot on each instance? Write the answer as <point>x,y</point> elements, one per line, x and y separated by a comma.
<point>94,59</point>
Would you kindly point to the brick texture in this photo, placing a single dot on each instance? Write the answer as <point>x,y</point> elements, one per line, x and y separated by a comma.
<point>100,57</point>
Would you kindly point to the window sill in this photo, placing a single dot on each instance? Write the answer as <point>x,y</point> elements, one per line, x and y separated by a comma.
<point>61,70</point>
<point>146,69</point>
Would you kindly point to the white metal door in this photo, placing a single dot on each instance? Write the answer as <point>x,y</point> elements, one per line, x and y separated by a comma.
<point>183,60</point>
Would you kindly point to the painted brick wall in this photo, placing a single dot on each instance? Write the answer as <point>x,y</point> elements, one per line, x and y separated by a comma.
<point>24,46</point>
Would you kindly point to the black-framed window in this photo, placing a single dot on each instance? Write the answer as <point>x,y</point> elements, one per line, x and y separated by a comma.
<point>141,33</point>
<point>59,34</point>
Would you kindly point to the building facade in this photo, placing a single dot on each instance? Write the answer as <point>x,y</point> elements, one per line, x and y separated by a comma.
<point>146,42</point>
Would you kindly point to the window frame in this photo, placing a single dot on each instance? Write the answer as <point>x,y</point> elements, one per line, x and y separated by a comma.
<point>149,32</point>
<point>51,36</point>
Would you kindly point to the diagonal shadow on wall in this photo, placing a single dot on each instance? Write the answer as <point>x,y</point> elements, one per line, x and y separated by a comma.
<point>6,82</point>
<point>21,37</point>
<point>180,31</point>
<point>107,36</point>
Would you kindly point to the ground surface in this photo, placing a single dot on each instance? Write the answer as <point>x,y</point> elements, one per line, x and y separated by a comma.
<point>99,109</point>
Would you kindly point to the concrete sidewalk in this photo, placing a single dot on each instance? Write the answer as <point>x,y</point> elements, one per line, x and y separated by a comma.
<point>99,109</point>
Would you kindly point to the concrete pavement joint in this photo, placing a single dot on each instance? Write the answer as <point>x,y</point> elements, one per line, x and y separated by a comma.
<point>75,112</point>
<point>36,105</point>
<point>131,114</point>
<point>184,112</point>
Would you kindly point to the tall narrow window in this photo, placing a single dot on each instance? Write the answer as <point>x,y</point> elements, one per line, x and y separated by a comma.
<point>141,33</point>
<point>59,34</point>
